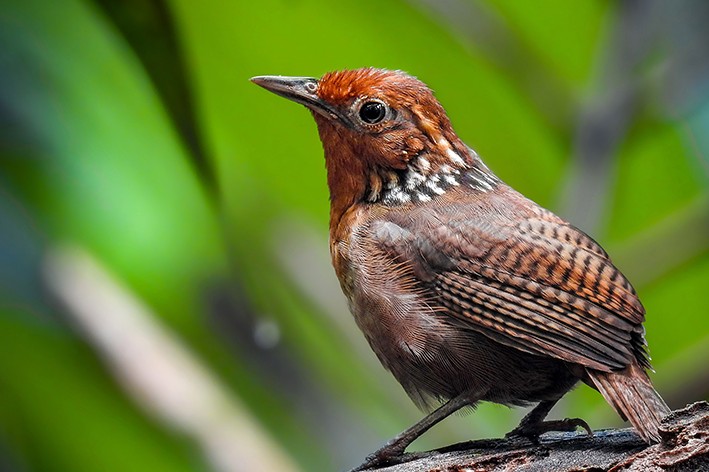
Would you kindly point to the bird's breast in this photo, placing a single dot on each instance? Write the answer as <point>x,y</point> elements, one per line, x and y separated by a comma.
<point>400,321</point>
<point>382,292</point>
<point>429,350</point>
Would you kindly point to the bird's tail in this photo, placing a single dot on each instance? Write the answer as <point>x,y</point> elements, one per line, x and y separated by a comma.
<point>632,395</point>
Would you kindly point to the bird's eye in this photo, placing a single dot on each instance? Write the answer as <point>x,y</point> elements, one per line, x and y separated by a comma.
<point>372,112</point>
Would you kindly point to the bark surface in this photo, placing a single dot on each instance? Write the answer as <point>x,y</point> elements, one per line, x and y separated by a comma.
<point>684,447</point>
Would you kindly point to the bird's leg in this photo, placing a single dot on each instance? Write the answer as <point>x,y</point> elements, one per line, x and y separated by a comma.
<point>397,445</point>
<point>533,425</point>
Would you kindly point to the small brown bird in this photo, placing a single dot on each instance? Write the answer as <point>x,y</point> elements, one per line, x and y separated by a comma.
<point>466,290</point>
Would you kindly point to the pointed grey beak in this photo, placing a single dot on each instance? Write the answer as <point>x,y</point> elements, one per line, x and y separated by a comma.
<point>301,90</point>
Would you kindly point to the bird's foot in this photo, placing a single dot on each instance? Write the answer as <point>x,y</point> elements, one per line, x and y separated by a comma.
<point>532,431</point>
<point>392,453</point>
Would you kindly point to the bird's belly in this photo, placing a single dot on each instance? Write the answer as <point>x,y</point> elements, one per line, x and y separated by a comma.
<point>433,354</point>
<point>430,351</point>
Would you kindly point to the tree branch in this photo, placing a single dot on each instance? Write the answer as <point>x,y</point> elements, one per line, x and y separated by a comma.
<point>684,447</point>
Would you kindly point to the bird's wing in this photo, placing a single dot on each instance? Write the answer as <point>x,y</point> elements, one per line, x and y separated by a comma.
<point>538,285</point>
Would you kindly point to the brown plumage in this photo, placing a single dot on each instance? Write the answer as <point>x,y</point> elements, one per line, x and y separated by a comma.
<point>465,289</point>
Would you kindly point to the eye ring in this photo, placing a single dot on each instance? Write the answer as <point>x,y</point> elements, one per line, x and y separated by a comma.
<point>372,112</point>
<point>310,87</point>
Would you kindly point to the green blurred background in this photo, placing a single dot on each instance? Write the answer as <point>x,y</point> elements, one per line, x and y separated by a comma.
<point>129,131</point>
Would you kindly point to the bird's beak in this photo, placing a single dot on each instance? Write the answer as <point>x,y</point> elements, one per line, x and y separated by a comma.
<point>302,90</point>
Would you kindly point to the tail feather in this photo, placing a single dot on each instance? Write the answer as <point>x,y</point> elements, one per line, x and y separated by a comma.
<point>632,395</point>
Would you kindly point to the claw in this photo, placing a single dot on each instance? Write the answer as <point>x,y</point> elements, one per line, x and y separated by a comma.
<point>390,454</point>
<point>579,423</point>
<point>378,459</point>
<point>534,430</point>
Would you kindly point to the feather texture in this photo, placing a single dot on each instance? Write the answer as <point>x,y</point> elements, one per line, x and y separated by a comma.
<point>465,289</point>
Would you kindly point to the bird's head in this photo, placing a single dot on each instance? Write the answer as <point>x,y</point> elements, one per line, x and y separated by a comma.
<point>377,127</point>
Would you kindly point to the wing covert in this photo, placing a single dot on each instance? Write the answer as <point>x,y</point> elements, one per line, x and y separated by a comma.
<point>543,287</point>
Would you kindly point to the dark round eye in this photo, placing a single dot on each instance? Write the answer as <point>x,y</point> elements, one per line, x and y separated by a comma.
<point>372,112</point>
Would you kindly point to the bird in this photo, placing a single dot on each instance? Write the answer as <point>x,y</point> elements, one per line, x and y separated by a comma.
<point>466,290</point>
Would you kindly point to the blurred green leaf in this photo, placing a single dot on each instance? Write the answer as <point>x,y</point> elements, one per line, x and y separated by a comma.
<point>66,411</point>
<point>114,174</point>
<point>655,177</point>
<point>564,36</point>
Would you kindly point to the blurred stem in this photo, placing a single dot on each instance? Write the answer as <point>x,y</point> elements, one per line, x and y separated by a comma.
<point>480,27</point>
<point>607,116</point>
<point>156,369</point>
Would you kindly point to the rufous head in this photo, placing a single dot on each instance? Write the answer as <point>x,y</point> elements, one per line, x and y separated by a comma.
<point>373,123</point>
<point>385,117</point>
